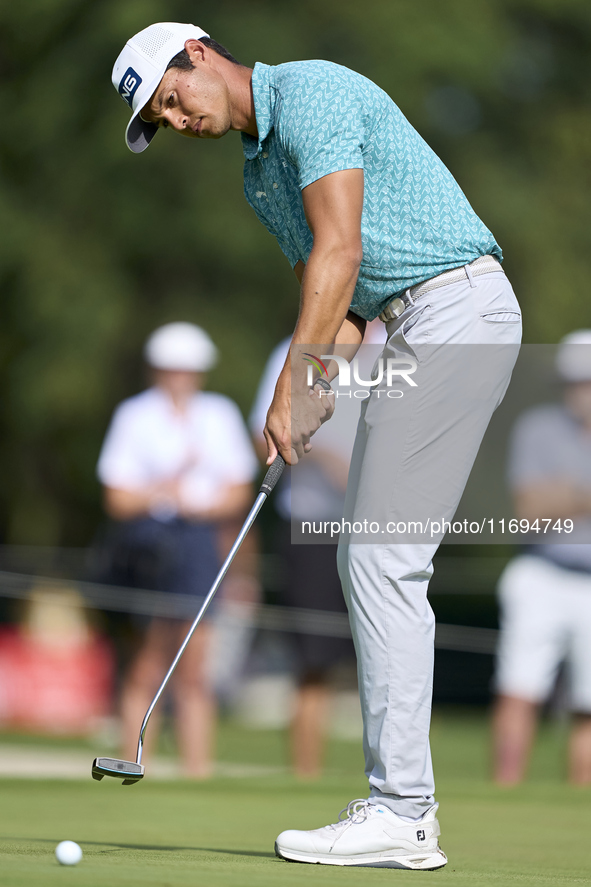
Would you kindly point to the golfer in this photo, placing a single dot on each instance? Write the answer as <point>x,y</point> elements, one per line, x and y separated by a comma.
<point>374,225</point>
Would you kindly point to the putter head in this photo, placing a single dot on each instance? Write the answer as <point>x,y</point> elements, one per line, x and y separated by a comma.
<point>128,771</point>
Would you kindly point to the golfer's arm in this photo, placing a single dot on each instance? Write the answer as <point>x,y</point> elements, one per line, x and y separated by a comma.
<point>348,340</point>
<point>333,207</point>
<point>349,337</point>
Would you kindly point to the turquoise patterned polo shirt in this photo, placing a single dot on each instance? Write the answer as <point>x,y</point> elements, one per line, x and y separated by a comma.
<point>315,118</point>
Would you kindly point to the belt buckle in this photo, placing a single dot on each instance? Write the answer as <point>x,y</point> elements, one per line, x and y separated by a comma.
<point>396,307</point>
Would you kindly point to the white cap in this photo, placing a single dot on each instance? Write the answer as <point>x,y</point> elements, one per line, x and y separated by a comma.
<point>140,68</point>
<point>180,346</point>
<point>573,357</point>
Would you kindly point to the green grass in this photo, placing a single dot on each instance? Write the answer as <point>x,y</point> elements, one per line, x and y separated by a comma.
<point>221,833</point>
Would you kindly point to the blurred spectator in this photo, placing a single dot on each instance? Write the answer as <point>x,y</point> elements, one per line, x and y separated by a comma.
<point>545,593</point>
<point>175,463</point>
<point>314,490</point>
<point>56,673</point>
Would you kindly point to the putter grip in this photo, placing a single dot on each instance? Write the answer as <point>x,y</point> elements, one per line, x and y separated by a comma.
<point>273,474</point>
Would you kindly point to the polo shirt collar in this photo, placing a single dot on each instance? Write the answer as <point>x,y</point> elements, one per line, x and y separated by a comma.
<point>264,109</point>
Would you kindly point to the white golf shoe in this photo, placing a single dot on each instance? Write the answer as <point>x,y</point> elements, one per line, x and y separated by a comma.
<point>369,835</point>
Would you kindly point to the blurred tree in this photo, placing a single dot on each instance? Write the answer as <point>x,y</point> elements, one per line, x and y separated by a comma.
<point>99,247</point>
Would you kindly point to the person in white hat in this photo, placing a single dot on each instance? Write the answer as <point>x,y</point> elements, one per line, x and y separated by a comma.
<point>374,225</point>
<point>545,593</point>
<point>176,462</point>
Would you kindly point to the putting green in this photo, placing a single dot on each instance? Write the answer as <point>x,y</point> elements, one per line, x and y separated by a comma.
<point>221,832</point>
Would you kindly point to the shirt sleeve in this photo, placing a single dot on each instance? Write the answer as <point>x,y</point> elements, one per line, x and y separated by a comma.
<point>235,454</point>
<point>119,466</point>
<point>321,126</point>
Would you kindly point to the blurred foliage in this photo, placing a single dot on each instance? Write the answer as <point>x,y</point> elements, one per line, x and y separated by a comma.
<point>99,247</point>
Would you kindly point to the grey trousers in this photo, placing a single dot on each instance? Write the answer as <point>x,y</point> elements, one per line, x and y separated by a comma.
<point>412,457</point>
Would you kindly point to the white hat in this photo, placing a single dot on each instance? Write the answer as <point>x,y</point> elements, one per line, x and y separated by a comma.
<point>573,357</point>
<point>140,68</point>
<point>180,346</point>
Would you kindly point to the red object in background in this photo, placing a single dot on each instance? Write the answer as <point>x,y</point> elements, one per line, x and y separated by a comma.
<point>51,688</point>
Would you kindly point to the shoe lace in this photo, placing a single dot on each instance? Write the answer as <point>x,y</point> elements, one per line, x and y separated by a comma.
<point>355,812</point>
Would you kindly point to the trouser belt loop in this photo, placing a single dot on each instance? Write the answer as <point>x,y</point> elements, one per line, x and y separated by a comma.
<point>469,275</point>
<point>408,295</point>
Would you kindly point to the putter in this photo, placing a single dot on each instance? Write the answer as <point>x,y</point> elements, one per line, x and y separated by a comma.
<point>133,771</point>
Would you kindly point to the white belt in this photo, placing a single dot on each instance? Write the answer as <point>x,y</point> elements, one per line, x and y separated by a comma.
<point>482,265</point>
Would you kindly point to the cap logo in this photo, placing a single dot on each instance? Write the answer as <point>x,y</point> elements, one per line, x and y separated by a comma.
<point>128,85</point>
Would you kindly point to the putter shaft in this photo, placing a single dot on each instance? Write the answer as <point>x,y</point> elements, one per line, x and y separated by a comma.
<point>271,478</point>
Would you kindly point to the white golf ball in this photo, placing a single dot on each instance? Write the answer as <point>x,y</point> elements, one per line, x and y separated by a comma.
<point>68,853</point>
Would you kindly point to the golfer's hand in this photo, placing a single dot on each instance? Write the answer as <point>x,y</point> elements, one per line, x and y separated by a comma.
<point>328,400</point>
<point>292,420</point>
<point>309,410</point>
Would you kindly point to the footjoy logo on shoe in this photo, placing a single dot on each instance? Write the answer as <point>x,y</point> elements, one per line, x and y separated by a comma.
<point>421,835</point>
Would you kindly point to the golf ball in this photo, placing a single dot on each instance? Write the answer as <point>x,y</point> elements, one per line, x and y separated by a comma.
<point>68,853</point>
